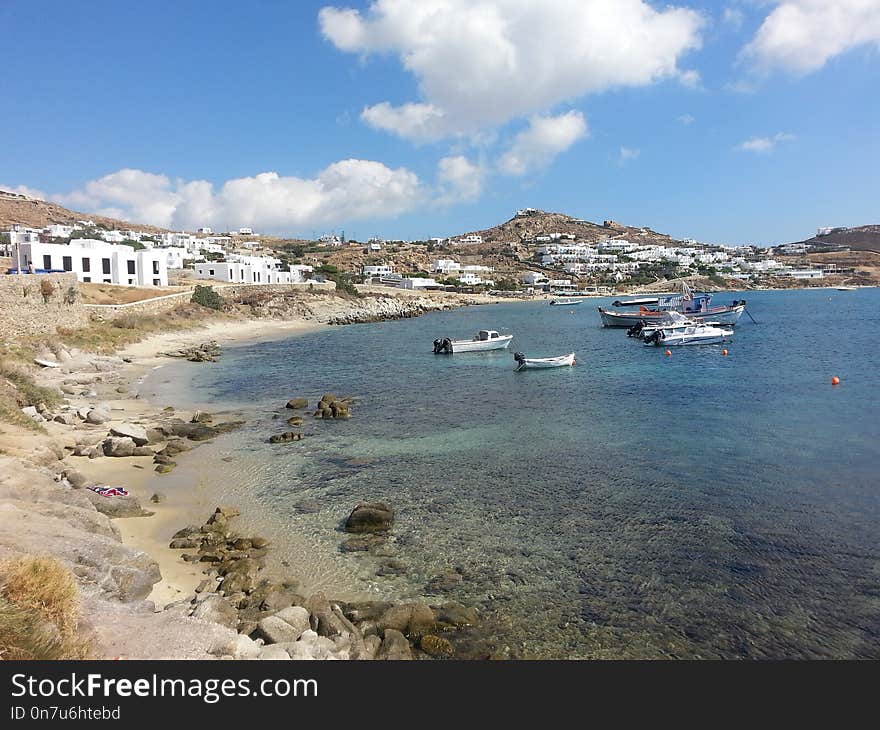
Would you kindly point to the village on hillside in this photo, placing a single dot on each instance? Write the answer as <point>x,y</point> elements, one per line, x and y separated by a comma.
<point>535,252</point>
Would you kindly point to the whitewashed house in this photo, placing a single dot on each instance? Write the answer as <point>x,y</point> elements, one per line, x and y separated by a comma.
<point>96,261</point>
<point>533,278</point>
<point>379,270</point>
<point>447,267</point>
<point>175,256</point>
<point>58,230</point>
<point>470,239</point>
<point>205,229</point>
<point>417,282</point>
<point>240,269</point>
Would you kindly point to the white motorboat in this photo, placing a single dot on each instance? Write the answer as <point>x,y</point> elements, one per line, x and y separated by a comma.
<point>565,302</point>
<point>538,363</point>
<point>846,288</point>
<point>684,331</point>
<point>482,341</point>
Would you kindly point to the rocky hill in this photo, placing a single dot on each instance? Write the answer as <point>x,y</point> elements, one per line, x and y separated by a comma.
<point>36,213</point>
<point>860,238</point>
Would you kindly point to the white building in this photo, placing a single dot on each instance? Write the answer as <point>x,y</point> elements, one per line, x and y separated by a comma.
<point>446,266</point>
<point>802,273</point>
<point>58,230</point>
<point>471,278</point>
<point>245,231</point>
<point>205,229</point>
<point>239,269</point>
<point>417,282</point>
<point>96,261</point>
<point>471,238</point>
<point>379,270</point>
<point>175,256</point>
<point>533,278</point>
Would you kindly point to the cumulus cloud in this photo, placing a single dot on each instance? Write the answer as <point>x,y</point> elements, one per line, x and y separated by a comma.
<point>628,154</point>
<point>687,119</point>
<point>481,63</point>
<point>24,190</point>
<point>802,35</point>
<point>764,144</point>
<point>346,190</point>
<point>545,137</point>
<point>458,180</point>
<point>733,16</point>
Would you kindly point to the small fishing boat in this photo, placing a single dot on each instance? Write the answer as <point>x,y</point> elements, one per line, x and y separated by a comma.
<point>482,341</point>
<point>846,288</point>
<point>684,331</point>
<point>538,363</point>
<point>565,302</point>
<point>694,305</point>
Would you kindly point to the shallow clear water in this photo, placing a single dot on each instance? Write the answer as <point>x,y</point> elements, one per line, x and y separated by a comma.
<point>634,505</point>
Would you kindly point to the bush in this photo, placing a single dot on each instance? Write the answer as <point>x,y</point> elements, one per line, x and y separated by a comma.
<point>47,289</point>
<point>39,611</point>
<point>207,297</point>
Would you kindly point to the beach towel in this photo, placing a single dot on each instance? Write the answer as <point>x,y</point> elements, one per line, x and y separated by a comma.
<point>106,491</point>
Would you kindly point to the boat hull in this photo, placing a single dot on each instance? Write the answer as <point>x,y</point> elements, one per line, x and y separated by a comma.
<point>728,316</point>
<point>677,341</point>
<point>500,343</point>
<point>547,362</point>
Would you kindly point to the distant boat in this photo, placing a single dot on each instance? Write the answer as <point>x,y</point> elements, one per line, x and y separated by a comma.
<point>565,302</point>
<point>846,288</point>
<point>693,305</point>
<point>524,363</point>
<point>482,341</point>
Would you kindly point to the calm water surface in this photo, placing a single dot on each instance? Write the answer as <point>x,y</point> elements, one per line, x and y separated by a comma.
<point>635,505</point>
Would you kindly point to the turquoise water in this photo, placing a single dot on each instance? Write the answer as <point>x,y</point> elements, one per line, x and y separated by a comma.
<point>635,505</point>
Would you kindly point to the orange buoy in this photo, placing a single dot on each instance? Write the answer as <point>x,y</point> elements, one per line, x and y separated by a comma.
<point>835,380</point>
<point>668,353</point>
<point>724,352</point>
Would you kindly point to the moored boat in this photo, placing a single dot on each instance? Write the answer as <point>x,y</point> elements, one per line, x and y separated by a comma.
<point>565,302</point>
<point>482,341</point>
<point>538,363</point>
<point>696,306</point>
<point>685,331</point>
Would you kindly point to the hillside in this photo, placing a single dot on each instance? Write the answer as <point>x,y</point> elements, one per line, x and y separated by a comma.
<point>35,213</point>
<point>860,238</point>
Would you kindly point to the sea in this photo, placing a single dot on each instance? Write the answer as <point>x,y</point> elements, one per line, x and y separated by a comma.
<point>636,505</point>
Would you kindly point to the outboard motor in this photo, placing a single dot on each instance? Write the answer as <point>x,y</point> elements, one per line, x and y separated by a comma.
<point>636,329</point>
<point>519,357</point>
<point>655,337</point>
<point>443,345</point>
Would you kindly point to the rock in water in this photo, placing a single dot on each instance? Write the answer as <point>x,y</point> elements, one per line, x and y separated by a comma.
<point>285,437</point>
<point>297,403</point>
<point>370,517</point>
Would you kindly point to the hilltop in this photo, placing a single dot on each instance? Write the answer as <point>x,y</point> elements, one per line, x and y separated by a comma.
<point>859,238</point>
<point>35,213</point>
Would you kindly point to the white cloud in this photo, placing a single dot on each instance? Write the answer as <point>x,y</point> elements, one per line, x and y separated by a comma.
<point>481,63</point>
<point>627,154</point>
<point>24,190</point>
<point>687,119</point>
<point>764,144</point>
<point>346,190</point>
<point>802,35</point>
<point>545,137</point>
<point>458,180</point>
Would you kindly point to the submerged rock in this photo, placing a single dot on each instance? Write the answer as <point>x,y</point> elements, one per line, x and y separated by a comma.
<point>370,517</point>
<point>297,403</point>
<point>286,437</point>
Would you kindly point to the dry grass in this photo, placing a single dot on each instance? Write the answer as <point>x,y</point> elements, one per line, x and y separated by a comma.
<point>93,293</point>
<point>39,611</point>
<point>125,329</point>
<point>18,389</point>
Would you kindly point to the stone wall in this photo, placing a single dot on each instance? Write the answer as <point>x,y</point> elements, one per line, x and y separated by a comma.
<point>169,301</point>
<point>28,307</point>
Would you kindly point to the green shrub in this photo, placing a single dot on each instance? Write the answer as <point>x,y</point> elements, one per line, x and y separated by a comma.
<point>207,297</point>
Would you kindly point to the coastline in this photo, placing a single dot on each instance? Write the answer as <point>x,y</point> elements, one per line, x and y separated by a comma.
<point>113,383</point>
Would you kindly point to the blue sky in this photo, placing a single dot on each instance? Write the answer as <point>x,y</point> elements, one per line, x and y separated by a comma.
<point>742,121</point>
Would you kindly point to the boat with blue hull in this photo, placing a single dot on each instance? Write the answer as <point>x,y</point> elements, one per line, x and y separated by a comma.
<point>696,306</point>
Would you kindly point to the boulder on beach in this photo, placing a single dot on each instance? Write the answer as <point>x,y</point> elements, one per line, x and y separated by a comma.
<point>217,610</point>
<point>138,434</point>
<point>297,403</point>
<point>370,517</point>
<point>436,646</point>
<point>97,416</point>
<point>394,646</point>
<point>117,507</point>
<point>118,446</point>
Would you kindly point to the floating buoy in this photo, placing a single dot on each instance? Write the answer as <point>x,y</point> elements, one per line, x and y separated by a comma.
<point>571,311</point>
<point>724,352</point>
<point>835,380</point>
<point>668,353</point>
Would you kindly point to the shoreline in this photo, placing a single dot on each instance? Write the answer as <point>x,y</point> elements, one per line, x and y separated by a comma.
<point>114,383</point>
